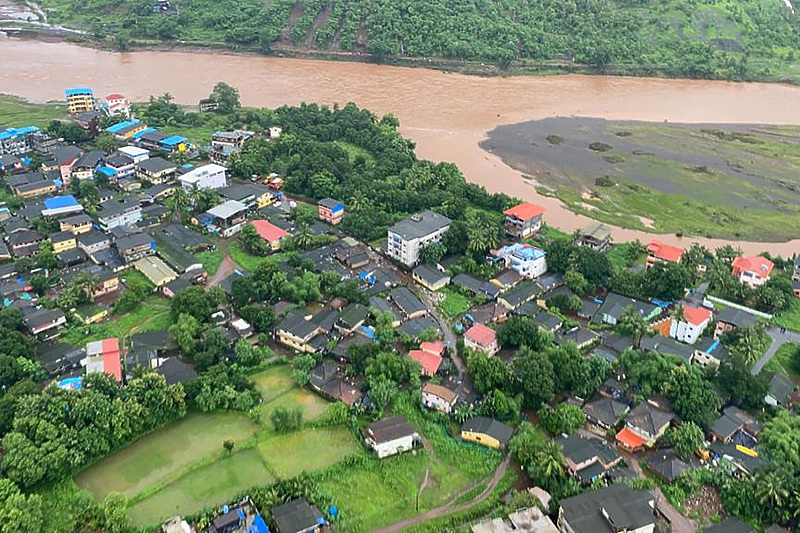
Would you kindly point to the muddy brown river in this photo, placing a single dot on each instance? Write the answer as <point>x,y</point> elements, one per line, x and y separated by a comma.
<point>446,114</point>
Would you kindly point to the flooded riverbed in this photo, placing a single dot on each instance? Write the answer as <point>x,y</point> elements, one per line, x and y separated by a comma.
<point>446,114</point>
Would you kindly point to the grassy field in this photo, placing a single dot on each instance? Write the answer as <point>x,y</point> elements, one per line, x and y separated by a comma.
<point>211,260</point>
<point>163,453</point>
<point>454,304</point>
<point>249,261</point>
<point>781,362</point>
<point>307,450</point>
<point>727,181</point>
<point>151,314</point>
<point>790,318</point>
<point>217,482</point>
<point>17,113</point>
<point>277,389</point>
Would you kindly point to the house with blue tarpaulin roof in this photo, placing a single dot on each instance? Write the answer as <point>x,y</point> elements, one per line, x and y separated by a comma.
<point>127,129</point>
<point>16,141</point>
<point>61,205</point>
<point>173,143</point>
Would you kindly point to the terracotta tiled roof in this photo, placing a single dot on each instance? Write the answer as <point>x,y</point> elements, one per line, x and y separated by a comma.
<point>665,252</point>
<point>524,211</point>
<point>269,232</point>
<point>696,315</point>
<point>480,334</point>
<point>430,362</point>
<point>630,439</point>
<point>760,265</point>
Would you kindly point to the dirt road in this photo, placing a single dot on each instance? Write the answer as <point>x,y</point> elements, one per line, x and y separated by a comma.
<point>449,507</point>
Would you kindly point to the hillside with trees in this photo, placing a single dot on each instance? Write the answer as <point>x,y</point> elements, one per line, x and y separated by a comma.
<point>714,39</point>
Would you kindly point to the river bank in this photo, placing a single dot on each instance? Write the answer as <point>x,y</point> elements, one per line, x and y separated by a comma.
<point>446,115</point>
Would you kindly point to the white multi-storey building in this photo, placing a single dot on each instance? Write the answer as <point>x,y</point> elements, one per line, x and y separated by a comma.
<point>407,237</point>
<point>210,176</point>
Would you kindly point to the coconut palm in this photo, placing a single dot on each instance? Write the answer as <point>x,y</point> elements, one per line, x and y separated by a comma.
<point>178,203</point>
<point>552,460</point>
<point>304,236</point>
<point>632,324</point>
<point>358,203</point>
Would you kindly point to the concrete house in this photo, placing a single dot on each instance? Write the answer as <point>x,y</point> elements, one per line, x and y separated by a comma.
<point>135,246</point>
<point>605,413</point>
<point>613,509</point>
<point>694,322</point>
<point>430,278</point>
<point>438,398</point>
<point>528,261</point>
<point>210,176</point>
<point>156,170</point>
<point>63,241</point>
<point>644,426</point>
<point>114,214</point>
<point>271,233</point>
<point>406,238</point>
<point>709,353</point>
<point>407,302</point>
<point>588,458</point>
<point>486,431</point>
<point>225,219</point>
<point>615,305</point>
<point>76,224</point>
<point>482,339</point>
<point>297,516</point>
<point>330,210</point>
<point>296,332</point>
<point>104,356</point>
<point>523,220</point>
<point>390,436</point>
<point>752,271</point>
<point>226,143</point>
<point>730,318</point>
<point>596,236</point>
<point>658,252</point>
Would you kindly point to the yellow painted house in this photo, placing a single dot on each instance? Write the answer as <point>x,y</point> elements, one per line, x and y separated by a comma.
<point>486,432</point>
<point>91,314</point>
<point>62,241</point>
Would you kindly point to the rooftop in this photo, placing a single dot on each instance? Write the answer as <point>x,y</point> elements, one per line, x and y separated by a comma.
<point>481,335</point>
<point>268,231</point>
<point>665,252</point>
<point>627,510</point>
<point>389,429</point>
<point>420,225</point>
<point>524,211</point>
<point>760,265</point>
<point>489,426</point>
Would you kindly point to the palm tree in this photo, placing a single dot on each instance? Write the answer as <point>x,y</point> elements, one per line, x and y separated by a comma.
<point>304,236</point>
<point>771,491</point>
<point>178,203</point>
<point>85,283</point>
<point>632,324</point>
<point>552,460</point>
<point>358,203</point>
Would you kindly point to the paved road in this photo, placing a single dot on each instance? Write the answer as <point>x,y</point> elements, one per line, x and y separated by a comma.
<point>778,340</point>
<point>449,507</point>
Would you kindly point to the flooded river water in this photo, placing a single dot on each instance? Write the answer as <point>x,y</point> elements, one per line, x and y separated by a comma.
<point>446,114</point>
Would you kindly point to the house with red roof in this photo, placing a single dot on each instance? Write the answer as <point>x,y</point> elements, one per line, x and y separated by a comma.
<point>270,233</point>
<point>435,347</point>
<point>753,271</point>
<point>104,356</point>
<point>689,328</point>
<point>523,220</point>
<point>482,338</point>
<point>117,105</point>
<point>658,252</point>
<point>430,362</point>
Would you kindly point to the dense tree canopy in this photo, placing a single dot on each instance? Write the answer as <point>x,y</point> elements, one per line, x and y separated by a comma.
<point>738,40</point>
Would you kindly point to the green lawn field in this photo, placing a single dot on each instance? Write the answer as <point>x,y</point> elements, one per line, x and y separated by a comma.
<point>209,485</point>
<point>163,453</point>
<point>307,449</point>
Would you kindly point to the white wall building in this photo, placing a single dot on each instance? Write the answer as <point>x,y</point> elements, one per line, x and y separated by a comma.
<point>688,330</point>
<point>407,237</point>
<point>390,436</point>
<point>438,398</point>
<point>526,260</point>
<point>210,176</point>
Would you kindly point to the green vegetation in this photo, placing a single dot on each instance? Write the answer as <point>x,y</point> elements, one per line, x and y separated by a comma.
<point>211,260</point>
<point>786,361</point>
<point>748,39</point>
<point>17,112</point>
<point>307,450</point>
<point>151,314</point>
<point>454,304</point>
<point>163,453</point>
<point>215,483</point>
<point>790,317</point>
<point>729,181</point>
<point>249,261</point>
